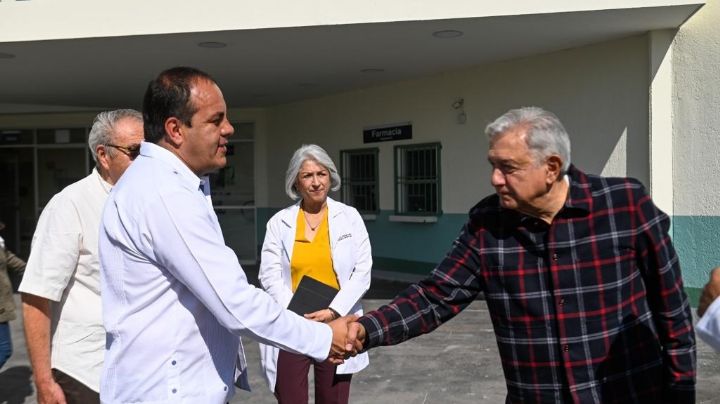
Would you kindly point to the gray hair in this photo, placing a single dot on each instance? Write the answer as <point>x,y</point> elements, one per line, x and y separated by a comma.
<point>309,152</point>
<point>104,125</point>
<point>545,135</point>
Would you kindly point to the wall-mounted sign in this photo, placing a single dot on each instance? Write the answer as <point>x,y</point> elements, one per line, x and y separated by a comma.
<point>388,132</point>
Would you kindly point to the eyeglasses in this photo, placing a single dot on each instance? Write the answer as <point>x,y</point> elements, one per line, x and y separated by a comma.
<point>131,151</point>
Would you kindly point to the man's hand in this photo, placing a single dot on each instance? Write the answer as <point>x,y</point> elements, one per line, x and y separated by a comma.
<point>49,392</point>
<point>338,351</point>
<point>710,292</point>
<point>356,337</point>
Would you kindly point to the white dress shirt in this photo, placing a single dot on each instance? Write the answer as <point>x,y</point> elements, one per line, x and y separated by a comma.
<point>63,267</point>
<point>175,298</point>
<point>708,327</point>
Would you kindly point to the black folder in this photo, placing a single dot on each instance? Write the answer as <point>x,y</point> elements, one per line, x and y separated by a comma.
<point>311,295</point>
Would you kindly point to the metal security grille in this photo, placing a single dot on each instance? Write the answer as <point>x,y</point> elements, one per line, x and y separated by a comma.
<point>417,179</point>
<point>360,179</point>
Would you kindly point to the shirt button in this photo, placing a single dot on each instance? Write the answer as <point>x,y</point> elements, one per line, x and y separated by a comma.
<point>225,388</point>
<point>174,391</point>
<point>562,301</point>
<point>566,348</point>
<point>555,257</point>
<point>174,363</point>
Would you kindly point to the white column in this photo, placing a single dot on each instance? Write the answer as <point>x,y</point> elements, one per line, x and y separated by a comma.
<point>661,118</point>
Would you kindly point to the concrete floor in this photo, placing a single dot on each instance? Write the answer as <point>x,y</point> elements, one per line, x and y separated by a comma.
<point>458,363</point>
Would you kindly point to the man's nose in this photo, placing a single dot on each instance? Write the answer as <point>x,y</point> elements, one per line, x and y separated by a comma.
<point>497,178</point>
<point>227,129</point>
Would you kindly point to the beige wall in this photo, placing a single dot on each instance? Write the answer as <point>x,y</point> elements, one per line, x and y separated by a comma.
<point>600,92</point>
<point>696,66</point>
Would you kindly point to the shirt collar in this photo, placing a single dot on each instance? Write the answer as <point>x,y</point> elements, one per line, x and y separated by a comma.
<point>580,193</point>
<point>152,150</point>
<point>104,184</point>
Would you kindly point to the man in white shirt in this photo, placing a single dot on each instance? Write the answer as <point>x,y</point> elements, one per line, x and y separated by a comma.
<point>61,286</point>
<point>175,299</point>
<point>708,327</point>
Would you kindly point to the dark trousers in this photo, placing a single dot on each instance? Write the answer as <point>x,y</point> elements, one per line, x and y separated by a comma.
<point>291,386</point>
<point>75,392</point>
<point>5,343</point>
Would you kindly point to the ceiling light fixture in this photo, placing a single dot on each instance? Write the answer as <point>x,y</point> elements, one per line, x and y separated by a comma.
<point>372,70</point>
<point>448,33</point>
<point>212,45</point>
<point>4,55</point>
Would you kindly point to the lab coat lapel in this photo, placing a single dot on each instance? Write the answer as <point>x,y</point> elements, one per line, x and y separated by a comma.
<point>289,219</point>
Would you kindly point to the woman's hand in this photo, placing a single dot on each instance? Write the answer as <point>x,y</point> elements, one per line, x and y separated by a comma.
<point>323,316</point>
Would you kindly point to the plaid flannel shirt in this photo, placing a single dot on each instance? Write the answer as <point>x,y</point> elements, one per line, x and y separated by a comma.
<point>588,309</point>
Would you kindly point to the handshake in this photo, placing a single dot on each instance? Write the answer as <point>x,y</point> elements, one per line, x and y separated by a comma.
<point>348,338</point>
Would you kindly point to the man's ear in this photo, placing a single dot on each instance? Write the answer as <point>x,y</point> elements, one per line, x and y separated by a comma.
<point>554,168</point>
<point>173,131</point>
<point>103,158</point>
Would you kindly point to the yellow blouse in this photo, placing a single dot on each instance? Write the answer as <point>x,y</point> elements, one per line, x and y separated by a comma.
<point>312,258</point>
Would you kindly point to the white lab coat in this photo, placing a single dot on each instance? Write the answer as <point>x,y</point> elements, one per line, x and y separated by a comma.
<point>352,261</point>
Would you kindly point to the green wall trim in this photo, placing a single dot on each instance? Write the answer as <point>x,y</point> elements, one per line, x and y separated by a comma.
<point>414,242</point>
<point>403,266</point>
<point>696,240</point>
<point>416,248</point>
<point>693,295</point>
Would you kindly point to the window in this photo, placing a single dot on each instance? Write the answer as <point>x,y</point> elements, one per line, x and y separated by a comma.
<point>359,170</point>
<point>233,194</point>
<point>417,179</point>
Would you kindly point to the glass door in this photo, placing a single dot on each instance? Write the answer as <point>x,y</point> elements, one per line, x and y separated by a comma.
<point>17,202</point>
<point>34,166</point>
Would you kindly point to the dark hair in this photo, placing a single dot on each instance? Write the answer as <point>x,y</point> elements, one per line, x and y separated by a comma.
<point>169,96</point>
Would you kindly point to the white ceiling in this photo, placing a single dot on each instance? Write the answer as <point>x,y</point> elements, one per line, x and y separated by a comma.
<point>265,67</point>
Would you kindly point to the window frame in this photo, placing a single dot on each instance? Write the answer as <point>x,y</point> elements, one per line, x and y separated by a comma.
<point>375,151</point>
<point>437,146</point>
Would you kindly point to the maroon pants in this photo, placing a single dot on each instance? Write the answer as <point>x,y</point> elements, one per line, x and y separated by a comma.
<point>75,392</point>
<point>291,386</point>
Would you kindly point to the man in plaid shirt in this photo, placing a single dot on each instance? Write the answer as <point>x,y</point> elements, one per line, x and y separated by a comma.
<point>580,277</point>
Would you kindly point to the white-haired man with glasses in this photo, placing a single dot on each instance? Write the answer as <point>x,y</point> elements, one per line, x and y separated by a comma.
<point>61,286</point>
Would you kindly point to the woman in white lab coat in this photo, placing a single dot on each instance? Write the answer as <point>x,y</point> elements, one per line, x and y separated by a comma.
<point>326,240</point>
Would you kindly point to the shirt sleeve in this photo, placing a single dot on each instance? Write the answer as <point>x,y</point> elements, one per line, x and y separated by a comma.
<point>55,250</point>
<point>424,306</point>
<point>708,327</point>
<point>667,299</point>
<point>187,241</point>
